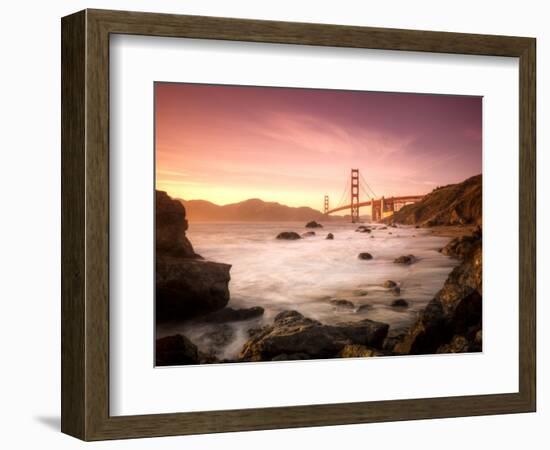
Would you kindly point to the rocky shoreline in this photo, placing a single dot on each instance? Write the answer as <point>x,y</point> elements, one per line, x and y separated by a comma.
<point>192,289</point>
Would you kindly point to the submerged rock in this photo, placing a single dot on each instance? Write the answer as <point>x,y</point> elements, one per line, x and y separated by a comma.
<point>313,224</point>
<point>175,350</point>
<point>400,303</point>
<point>330,236</point>
<point>341,303</point>
<point>364,255</point>
<point>406,259</point>
<point>288,235</point>
<point>389,284</point>
<point>293,333</point>
<point>396,290</point>
<point>308,234</point>
<point>364,308</point>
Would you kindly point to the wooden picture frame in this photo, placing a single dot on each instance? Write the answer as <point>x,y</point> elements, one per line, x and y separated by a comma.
<point>85,224</point>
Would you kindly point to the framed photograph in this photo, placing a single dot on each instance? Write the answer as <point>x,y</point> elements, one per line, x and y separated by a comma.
<point>273,225</point>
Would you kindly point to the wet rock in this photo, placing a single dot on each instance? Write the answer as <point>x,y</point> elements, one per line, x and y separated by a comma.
<point>394,337</point>
<point>292,333</point>
<point>362,229</point>
<point>341,303</point>
<point>400,303</point>
<point>458,344</point>
<point>313,224</point>
<point>356,351</point>
<point>330,236</point>
<point>364,308</point>
<point>364,255</point>
<point>186,285</point>
<point>389,284</point>
<point>288,235</point>
<point>361,293</point>
<point>455,310</point>
<point>396,290</point>
<point>234,315</point>
<point>187,288</point>
<point>460,247</point>
<point>175,350</point>
<point>290,357</point>
<point>308,234</point>
<point>382,228</point>
<point>406,259</point>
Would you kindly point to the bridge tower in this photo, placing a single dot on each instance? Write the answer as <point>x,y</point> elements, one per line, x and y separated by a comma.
<point>325,207</point>
<point>354,195</point>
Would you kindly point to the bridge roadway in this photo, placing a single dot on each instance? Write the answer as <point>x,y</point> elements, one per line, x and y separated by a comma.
<point>402,199</point>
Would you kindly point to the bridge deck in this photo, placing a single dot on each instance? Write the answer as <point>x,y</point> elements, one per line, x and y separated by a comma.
<point>402,199</point>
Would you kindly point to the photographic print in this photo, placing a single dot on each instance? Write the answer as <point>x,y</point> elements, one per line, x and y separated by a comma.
<point>303,224</point>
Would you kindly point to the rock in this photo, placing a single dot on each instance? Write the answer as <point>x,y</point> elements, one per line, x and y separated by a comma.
<point>400,303</point>
<point>383,228</point>
<point>406,259</point>
<point>460,247</point>
<point>362,228</point>
<point>291,357</point>
<point>187,288</point>
<point>288,235</point>
<point>175,350</point>
<point>186,285</point>
<point>313,224</point>
<point>233,315</point>
<point>170,227</point>
<point>361,293</point>
<point>458,344</point>
<point>389,232</point>
<point>330,236</point>
<point>356,351</point>
<point>417,226</point>
<point>455,310</point>
<point>394,337</point>
<point>341,303</point>
<point>396,290</point>
<point>293,333</point>
<point>389,284</point>
<point>308,234</point>
<point>364,255</point>
<point>364,308</point>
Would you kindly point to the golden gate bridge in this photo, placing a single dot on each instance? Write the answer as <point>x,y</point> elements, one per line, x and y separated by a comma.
<point>381,207</point>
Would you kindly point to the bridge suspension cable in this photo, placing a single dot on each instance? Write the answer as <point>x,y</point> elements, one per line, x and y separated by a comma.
<point>367,185</point>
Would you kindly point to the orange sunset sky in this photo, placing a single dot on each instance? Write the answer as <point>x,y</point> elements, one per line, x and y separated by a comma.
<point>226,144</point>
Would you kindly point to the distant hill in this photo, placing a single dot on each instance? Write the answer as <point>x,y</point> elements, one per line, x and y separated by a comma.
<point>454,204</point>
<point>252,210</point>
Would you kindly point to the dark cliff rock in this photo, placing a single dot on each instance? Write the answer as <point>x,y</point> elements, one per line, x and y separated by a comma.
<point>292,333</point>
<point>186,285</point>
<point>451,322</point>
<point>455,204</point>
<point>170,227</point>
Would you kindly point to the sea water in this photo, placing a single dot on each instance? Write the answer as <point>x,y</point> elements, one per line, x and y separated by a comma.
<point>306,274</point>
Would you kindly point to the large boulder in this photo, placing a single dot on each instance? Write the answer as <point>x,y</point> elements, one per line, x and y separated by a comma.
<point>170,227</point>
<point>456,310</point>
<point>186,285</point>
<point>175,350</point>
<point>292,333</point>
<point>187,288</point>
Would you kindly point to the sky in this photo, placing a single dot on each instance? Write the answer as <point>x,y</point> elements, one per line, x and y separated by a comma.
<point>227,144</point>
